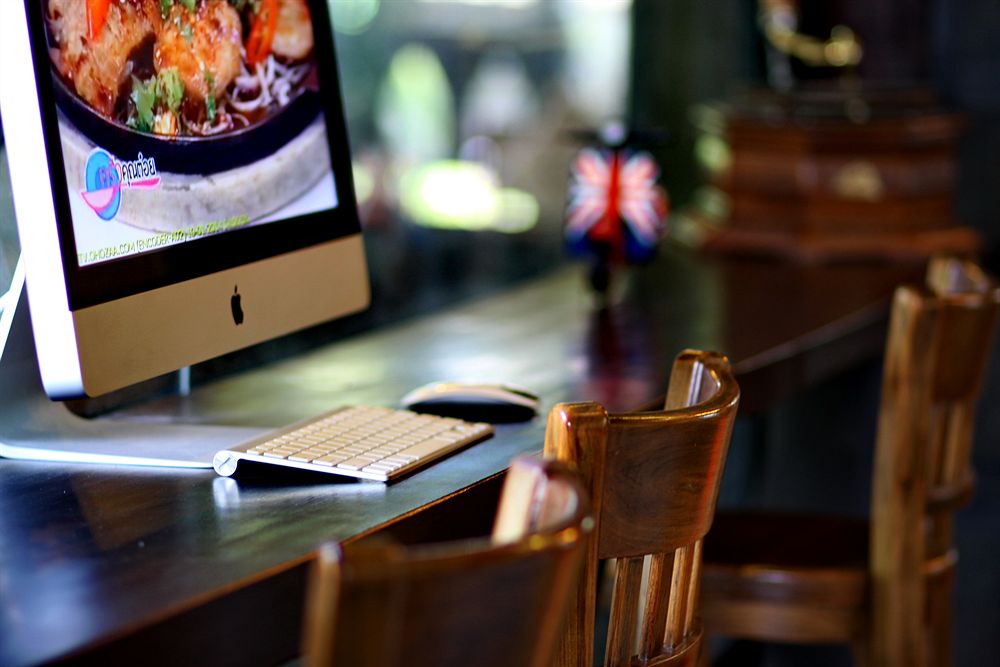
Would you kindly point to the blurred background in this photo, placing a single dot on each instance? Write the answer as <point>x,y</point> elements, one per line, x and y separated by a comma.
<point>462,118</point>
<point>464,115</point>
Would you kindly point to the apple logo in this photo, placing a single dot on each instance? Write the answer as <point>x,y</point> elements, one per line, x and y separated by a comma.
<point>234,302</point>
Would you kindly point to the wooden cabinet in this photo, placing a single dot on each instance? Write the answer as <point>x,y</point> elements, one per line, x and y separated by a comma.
<point>829,174</point>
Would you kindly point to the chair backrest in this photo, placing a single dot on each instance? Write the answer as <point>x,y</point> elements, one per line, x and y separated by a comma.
<point>476,602</point>
<point>936,355</point>
<point>653,479</point>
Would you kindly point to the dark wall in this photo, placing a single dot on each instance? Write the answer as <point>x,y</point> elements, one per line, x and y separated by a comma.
<point>966,71</point>
<point>692,51</point>
<point>686,52</point>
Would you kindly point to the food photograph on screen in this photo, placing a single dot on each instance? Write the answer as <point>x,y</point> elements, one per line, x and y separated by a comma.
<point>180,119</point>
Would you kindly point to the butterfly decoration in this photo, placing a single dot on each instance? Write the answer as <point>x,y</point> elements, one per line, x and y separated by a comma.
<point>616,210</point>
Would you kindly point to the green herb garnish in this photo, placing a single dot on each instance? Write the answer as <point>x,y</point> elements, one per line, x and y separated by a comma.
<point>210,107</point>
<point>170,88</point>
<point>187,33</point>
<point>144,100</point>
<point>210,96</point>
<point>165,6</point>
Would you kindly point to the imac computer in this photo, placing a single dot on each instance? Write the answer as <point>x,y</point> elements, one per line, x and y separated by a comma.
<point>182,185</point>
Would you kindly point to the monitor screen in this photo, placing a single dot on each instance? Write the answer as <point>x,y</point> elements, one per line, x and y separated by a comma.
<point>181,140</point>
<point>178,122</point>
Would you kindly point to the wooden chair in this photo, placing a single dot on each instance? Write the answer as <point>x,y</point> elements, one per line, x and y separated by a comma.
<point>484,602</point>
<point>882,584</point>
<point>653,479</point>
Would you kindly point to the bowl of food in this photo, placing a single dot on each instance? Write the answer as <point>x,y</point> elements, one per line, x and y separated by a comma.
<point>205,86</point>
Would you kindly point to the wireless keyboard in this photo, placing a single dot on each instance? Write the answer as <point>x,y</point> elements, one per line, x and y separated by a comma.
<point>373,443</point>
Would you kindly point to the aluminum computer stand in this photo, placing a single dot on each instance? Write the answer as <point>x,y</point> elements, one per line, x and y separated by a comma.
<point>34,427</point>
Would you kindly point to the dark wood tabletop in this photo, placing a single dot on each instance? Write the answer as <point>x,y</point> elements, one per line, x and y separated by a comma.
<point>175,567</point>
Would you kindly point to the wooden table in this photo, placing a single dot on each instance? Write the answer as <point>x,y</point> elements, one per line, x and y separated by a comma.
<point>180,567</point>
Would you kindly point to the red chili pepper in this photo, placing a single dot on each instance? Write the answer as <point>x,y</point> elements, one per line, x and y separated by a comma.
<point>97,12</point>
<point>262,32</point>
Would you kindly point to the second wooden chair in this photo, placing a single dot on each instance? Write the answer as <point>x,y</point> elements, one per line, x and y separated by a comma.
<point>883,585</point>
<point>484,602</point>
<point>653,479</point>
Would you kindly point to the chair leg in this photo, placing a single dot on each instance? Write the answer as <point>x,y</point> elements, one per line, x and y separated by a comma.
<point>704,653</point>
<point>861,649</point>
<point>939,621</point>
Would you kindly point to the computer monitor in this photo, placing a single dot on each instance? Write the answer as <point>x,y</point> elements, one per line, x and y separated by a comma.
<point>182,180</point>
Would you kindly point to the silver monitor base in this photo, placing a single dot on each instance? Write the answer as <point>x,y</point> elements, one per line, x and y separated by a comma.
<point>35,428</point>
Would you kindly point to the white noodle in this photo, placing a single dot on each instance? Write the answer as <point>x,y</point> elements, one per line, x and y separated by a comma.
<point>223,123</point>
<point>270,84</point>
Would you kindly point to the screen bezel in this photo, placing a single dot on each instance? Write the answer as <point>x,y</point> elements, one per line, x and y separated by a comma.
<point>98,283</point>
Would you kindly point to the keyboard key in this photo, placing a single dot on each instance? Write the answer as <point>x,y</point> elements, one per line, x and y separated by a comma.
<point>422,449</point>
<point>354,464</point>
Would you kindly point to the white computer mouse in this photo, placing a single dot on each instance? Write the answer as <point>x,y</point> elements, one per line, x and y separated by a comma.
<point>474,401</point>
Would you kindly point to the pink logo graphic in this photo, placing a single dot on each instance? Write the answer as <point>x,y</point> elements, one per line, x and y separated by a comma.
<point>105,176</point>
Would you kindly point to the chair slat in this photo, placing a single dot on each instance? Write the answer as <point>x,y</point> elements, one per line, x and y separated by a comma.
<point>677,612</point>
<point>624,610</point>
<point>958,443</point>
<point>693,588</point>
<point>657,604</point>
